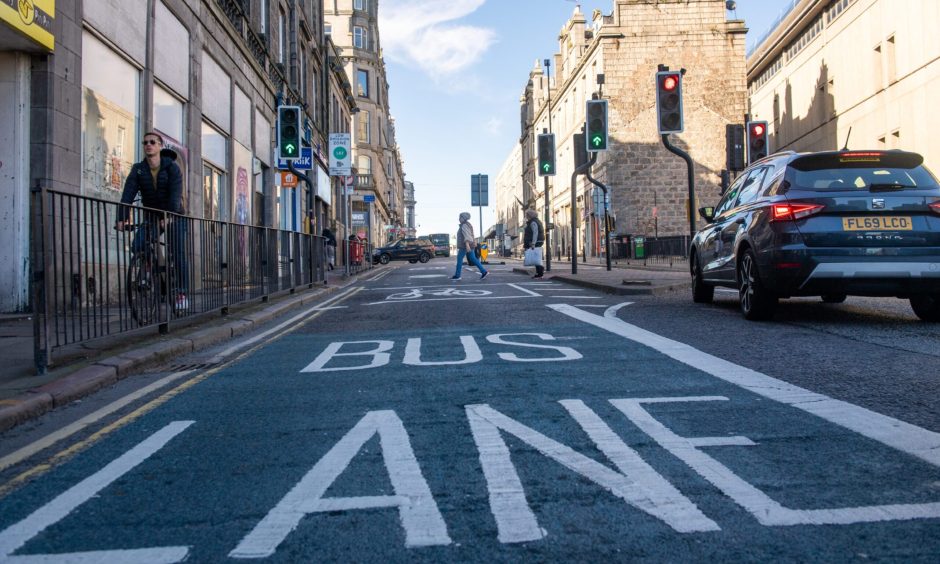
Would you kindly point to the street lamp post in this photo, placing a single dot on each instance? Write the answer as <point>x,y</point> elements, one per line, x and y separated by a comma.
<point>548,90</point>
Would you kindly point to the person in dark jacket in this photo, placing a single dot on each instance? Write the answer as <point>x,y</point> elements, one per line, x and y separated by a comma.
<point>329,241</point>
<point>534,238</point>
<point>159,182</point>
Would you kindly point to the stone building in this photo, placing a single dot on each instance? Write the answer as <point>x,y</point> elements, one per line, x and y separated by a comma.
<point>510,199</point>
<point>207,74</point>
<point>834,66</point>
<point>649,190</point>
<point>353,27</point>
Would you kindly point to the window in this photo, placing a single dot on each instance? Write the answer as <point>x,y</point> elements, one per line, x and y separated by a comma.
<point>359,5</point>
<point>302,68</point>
<point>363,134</point>
<point>328,29</point>
<point>360,37</point>
<point>891,60</point>
<point>365,164</point>
<point>752,185</point>
<point>876,69</point>
<point>212,182</point>
<point>110,117</point>
<point>281,36</point>
<point>167,113</point>
<point>362,83</point>
<point>263,23</point>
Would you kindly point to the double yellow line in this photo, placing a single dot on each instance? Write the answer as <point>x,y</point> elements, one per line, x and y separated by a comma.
<point>256,342</point>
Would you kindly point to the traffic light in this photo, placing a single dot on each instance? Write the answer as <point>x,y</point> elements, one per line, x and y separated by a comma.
<point>756,140</point>
<point>669,102</point>
<point>734,138</point>
<point>596,125</point>
<point>288,132</point>
<point>546,146</point>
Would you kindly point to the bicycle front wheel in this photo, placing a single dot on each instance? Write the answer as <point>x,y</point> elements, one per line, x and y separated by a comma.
<point>143,290</point>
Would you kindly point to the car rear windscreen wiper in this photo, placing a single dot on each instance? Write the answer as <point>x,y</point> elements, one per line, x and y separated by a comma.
<point>887,187</point>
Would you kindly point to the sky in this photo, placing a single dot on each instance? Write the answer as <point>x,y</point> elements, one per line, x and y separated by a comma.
<point>456,70</point>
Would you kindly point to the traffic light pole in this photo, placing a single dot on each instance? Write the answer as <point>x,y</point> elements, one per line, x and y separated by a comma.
<point>688,162</point>
<point>548,245</point>
<point>606,221</point>
<point>574,209</point>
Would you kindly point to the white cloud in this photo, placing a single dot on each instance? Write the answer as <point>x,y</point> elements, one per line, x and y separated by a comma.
<point>494,126</point>
<point>418,32</point>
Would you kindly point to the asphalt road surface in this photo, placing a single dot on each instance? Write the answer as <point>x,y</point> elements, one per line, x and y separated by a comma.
<point>415,418</point>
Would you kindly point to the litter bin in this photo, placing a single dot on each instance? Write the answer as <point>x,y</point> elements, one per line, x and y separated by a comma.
<point>484,251</point>
<point>639,248</point>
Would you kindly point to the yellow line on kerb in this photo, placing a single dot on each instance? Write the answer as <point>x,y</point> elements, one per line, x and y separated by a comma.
<point>78,447</point>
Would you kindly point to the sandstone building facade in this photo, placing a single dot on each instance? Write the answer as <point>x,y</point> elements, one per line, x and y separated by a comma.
<point>649,192</point>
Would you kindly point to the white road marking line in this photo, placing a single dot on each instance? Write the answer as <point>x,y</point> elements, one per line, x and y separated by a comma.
<point>292,320</point>
<point>51,513</point>
<point>521,289</point>
<point>450,299</point>
<point>889,431</point>
<point>69,430</point>
<point>611,312</point>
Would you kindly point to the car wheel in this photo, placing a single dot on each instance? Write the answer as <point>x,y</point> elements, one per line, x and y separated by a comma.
<point>833,298</point>
<point>384,258</point>
<point>757,302</point>
<point>927,307</point>
<point>702,293</point>
<point>425,257</point>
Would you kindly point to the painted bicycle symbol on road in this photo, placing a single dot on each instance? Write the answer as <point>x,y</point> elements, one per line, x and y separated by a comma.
<point>418,293</point>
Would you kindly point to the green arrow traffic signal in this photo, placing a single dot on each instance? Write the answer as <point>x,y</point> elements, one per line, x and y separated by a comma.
<point>289,149</point>
<point>597,140</point>
<point>546,154</point>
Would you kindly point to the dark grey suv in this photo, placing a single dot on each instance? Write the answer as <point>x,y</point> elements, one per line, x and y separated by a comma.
<point>826,224</point>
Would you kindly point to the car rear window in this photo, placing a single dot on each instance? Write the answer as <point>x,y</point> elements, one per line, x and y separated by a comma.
<point>870,171</point>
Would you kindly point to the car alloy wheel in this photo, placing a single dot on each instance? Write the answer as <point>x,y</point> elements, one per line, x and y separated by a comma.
<point>927,307</point>
<point>384,258</point>
<point>757,303</point>
<point>425,257</point>
<point>702,293</point>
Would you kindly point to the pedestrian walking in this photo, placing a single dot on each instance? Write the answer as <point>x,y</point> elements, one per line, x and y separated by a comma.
<point>466,242</point>
<point>532,241</point>
<point>329,241</point>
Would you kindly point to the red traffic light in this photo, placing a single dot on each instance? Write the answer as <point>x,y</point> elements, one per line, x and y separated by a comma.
<point>670,82</point>
<point>758,129</point>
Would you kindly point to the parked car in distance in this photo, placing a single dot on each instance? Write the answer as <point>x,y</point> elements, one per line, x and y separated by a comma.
<point>441,244</point>
<point>828,224</point>
<point>412,249</point>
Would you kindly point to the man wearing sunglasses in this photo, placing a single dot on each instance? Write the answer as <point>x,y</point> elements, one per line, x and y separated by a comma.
<point>159,181</point>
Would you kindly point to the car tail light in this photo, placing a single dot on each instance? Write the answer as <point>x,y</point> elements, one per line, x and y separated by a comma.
<point>791,212</point>
<point>935,206</point>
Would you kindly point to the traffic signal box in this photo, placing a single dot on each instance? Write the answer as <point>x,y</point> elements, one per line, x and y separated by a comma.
<point>669,102</point>
<point>288,132</point>
<point>756,140</point>
<point>546,154</point>
<point>596,112</point>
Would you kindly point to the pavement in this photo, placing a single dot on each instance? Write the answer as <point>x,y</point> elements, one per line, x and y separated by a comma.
<point>82,369</point>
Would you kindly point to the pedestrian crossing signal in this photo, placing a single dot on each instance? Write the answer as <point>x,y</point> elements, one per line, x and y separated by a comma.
<point>596,137</point>
<point>546,154</point>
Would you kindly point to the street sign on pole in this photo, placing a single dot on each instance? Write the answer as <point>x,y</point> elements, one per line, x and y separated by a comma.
<point>340,154</point>
<point>368,198</point>
<point>479,190</point>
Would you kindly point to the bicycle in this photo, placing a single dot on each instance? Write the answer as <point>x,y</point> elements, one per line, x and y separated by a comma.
<point>145,279</point>
<point>417,293</point>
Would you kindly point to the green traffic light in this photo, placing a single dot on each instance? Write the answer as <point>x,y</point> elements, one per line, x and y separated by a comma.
<point>290,149</point>
<point>547,167</point>
<point>597,140</point>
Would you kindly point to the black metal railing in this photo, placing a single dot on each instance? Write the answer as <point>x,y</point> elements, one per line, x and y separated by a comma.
<point>101,268</point>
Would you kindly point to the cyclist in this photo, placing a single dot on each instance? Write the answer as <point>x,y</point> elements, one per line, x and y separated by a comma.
<point>159,181</point>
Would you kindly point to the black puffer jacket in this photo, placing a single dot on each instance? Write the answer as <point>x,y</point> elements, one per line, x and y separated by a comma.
<point>534,233</point>
<point>167,195</point>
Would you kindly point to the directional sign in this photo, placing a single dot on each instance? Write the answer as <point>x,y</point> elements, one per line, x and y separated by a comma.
<point>368,198</point>
<point>305,162</point>
<point>340,154</point>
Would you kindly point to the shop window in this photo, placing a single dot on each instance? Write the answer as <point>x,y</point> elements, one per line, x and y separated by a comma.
<point>167,113</point>
<point>110,118</point>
